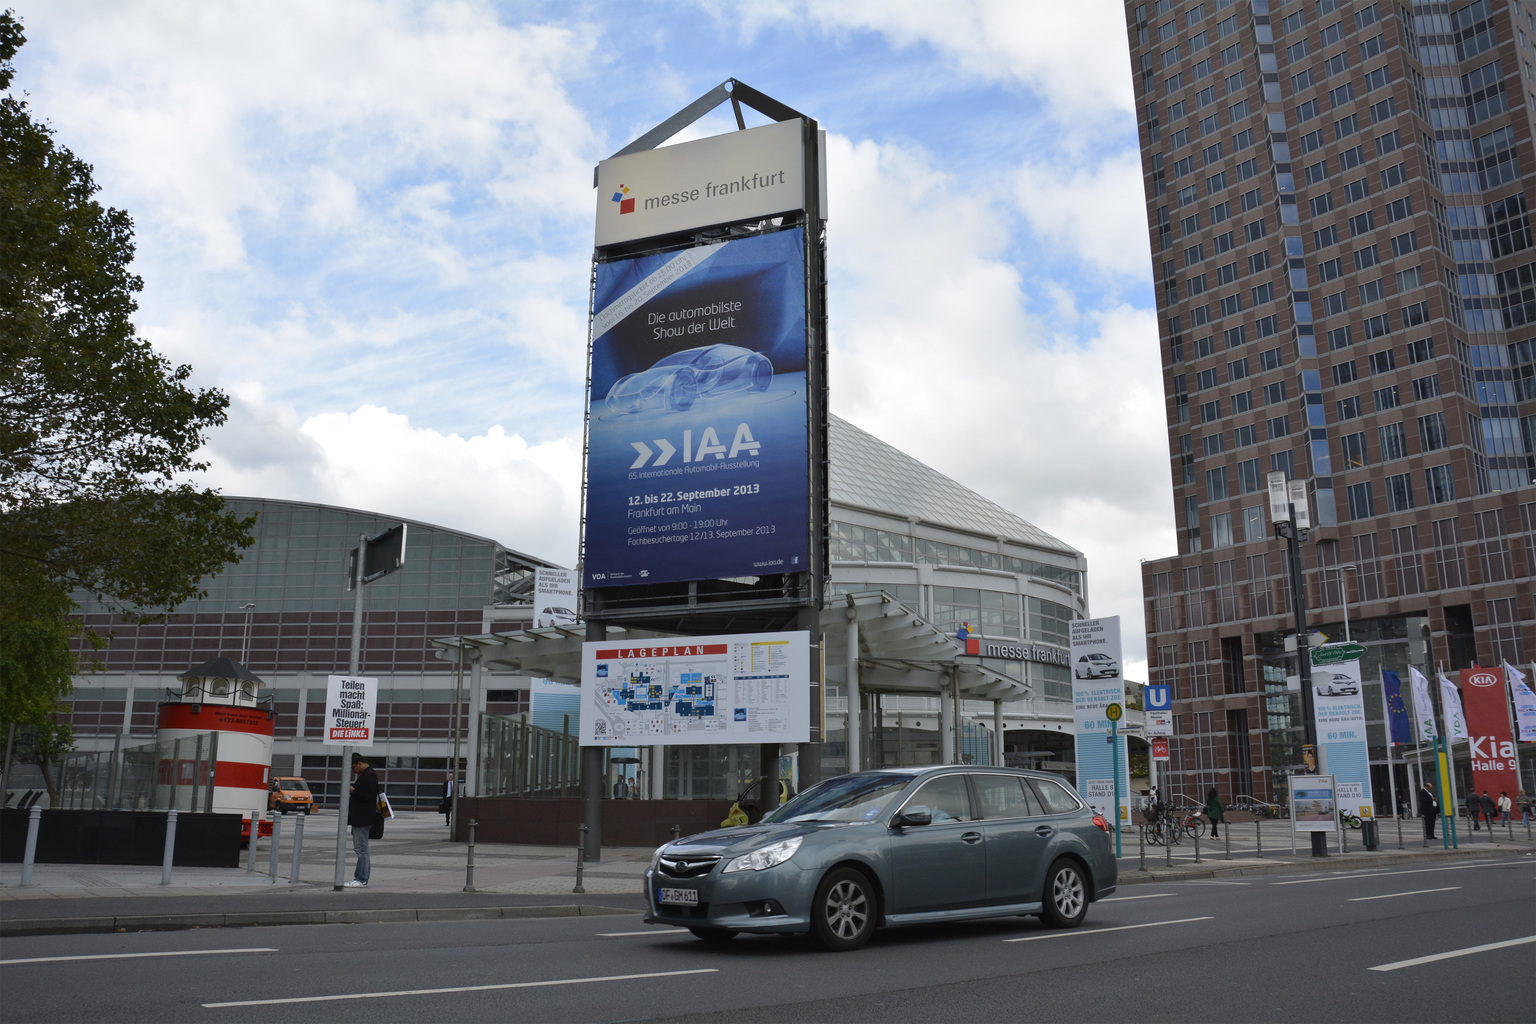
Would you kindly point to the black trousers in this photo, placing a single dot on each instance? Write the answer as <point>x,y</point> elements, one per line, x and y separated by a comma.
<point>1429,826</point>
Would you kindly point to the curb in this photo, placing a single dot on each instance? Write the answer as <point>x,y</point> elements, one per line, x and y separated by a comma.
<point>1333,863</point>
<point>180,922</point>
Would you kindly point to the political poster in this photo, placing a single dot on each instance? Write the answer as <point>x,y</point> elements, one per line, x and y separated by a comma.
<point>737,688</point>
<point>1495,765</point>
<point>698,461</point>
<point>351,710</point>
<point>554,597</point>
<point>1096,684</point>
<point>1338,702</point>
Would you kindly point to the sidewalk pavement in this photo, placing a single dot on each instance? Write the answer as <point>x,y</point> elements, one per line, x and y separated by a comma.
<point>417,874</point>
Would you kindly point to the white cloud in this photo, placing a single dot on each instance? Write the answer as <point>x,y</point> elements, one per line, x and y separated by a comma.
<point>1098,214</point>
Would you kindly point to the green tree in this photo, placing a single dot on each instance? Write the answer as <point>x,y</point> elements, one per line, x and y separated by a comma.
<point>97,432</point>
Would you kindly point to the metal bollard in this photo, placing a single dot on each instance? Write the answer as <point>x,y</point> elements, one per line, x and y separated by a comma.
<point>34,822</point>
<point>170,848</point>
<point>1258,839</point>
<point>677,832</point>
<point>1197,847</point>
<point>298,844</point>
<point>1343,838</point>
<point>581,855</point>
<point>1167,845</point>
<point>469,864</point>
<point>277,838</point>
<point>1399,818</point>
<point>250,860</point>
<point>1141,847</point>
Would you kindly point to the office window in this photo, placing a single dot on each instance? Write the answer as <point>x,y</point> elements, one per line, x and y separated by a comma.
<point>1316,172</point>
<point>1264,293</point>
<point>1247,169</point>
<point>1362,504</point>
<point>1306,111</point>
<point>1351,158</point>
<point>1245,435</point>
<point>1283,462</point>
<point>1439,484</point>
<point>1432,435</point>
<point>1237,369</point>
<point>1242,140</point>
<point>1312,140</point>
<point>1221,530</point>
<point>1242,401</point>
<point>1346,126</point>
<point>1378,326</point>
<point>1362,223</point>
<point>1330,270</point>
<point>1254,231</point>
<point>1216,483</point>
<point>1213,444</point>
<point>1274,394</point>
<point>1324,237</point>
<point>1340,337</point>
<point>1342,95</point>
<point>1343,373</point>
<point>1280,426</point>
<point>1237,111</point>
<point>1386,110</point>
<point>1371,291</point>
<point>1426,387</point>
<point>1402,245</point>
<point>1265,326</point>
<point>1357,190</point>
<point>1226,273</point>
<point>1249,479</point>
<point>1253,527</point>
<point>1336,65</point>
<point>1216,182</point>
<point>1420,352</point>
<point>1194,254</point>
<point>1204,347</point>
<point>1383,361</point>
<point>1271,359</point>
<point>1190,225</point>
<point>1399,492</point>
<point>1205,379</point>
<point>1210,411</point>
<point>1258,261</point>
<point>1356,455</point>
<point>1180,169</point>
<point>1399,209</point>
<point>1221,212</point>
<point>1332,33</point>
<point>1237,82</point>
<point>1336,303</point>
<point>1366,258</point>
<point>1349,408</point>
<point>1211,155</point>
<point>1415,314</point>
<point>1392,441</point>
<point>1321,204</point>
<point>1386,398</point>
<point>1252,199</point>
<point>1298,51</point>
<point>1221,243</point>
<point>1196,285</point>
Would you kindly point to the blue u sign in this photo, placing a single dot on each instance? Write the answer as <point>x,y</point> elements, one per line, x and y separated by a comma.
<point>1158,697</point>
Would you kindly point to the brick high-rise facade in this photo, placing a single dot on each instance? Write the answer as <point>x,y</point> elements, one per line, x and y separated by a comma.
<point>1339,199</point>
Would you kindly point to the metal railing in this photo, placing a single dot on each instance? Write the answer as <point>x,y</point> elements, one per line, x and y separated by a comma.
<point>518,758</point>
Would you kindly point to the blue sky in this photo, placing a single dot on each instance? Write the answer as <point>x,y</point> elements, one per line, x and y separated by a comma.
<point>370,224</point>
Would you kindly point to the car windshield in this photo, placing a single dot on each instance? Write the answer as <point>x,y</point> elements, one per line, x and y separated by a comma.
<point>848,798</point>
<point>292,784</point>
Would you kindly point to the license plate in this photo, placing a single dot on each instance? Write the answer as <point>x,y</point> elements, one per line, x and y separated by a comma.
<point>686,897</point>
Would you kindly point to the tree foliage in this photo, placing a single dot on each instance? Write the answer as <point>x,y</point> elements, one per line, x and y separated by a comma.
<point>97,431</point>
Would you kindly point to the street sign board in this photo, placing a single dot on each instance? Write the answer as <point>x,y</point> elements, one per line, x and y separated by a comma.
<point>1159,749</point>
<point>1335,654</point>
<point>1157,697</point>
<point>1159,723</point>
<point>351,706</point>
<point>1113,712</point>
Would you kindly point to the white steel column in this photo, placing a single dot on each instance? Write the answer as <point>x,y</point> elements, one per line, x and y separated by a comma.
<point>855,725</point>
<point>997,728</point>
<point>946,729</point>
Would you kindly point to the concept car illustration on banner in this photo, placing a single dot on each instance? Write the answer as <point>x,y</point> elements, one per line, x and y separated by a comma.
<point>697,463</point>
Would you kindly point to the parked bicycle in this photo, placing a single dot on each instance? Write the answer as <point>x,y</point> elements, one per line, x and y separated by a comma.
<point>1192,824</point>
<point>1351,820</point>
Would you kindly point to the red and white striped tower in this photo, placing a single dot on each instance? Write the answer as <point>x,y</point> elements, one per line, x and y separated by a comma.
<point>220,697</point>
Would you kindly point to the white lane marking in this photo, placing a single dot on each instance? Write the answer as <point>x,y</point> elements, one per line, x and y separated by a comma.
<point>458,988</point>
<point>134,956</point>
<point>1413,871</point>
<point>1416,892</point>
<point>1216,882</point>
<point>1100,931</point>
<point>1148,896</point>
<point>648,931</point>
<point>1416,961</point>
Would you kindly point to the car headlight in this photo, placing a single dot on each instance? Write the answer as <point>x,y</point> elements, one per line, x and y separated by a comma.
<point>656,857</point>
<point>767,857</point>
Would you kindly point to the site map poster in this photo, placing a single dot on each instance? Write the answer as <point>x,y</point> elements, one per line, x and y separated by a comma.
<point>698,461</point>
<point>737,688</point>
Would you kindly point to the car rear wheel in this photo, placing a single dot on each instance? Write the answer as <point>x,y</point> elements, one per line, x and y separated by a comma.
<point>843,911</point>
<point>713,935</point>
<point>1066,895</point>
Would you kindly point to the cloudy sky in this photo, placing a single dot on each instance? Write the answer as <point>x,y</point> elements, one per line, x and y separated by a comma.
<point>370,224</point>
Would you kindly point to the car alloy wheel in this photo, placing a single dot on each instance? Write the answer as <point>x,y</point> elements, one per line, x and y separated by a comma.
<point>843,912</point>
<point>1066,895</point>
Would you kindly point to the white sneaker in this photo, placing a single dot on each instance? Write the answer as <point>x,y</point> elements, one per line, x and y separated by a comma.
<point>355,884</point>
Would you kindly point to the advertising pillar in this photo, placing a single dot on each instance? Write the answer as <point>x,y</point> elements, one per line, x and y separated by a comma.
<point>1096,684</point>
<point>1339,710</point>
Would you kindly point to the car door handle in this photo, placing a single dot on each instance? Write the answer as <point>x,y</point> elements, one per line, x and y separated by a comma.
<point>1044,831</point>
<point>971,838</point>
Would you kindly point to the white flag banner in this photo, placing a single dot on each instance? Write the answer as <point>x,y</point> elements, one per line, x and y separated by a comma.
<point>1525,702</point>
<point>1450,703</point>
<point>1423,707</point>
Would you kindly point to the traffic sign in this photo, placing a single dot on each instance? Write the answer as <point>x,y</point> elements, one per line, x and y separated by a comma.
<point>1113,712</point>
<point>1157,697</point>
<point>1159,723</point>
<point>1333,654</point>
<point>1159,749</point>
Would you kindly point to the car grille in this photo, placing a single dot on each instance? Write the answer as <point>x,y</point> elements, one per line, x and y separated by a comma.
<point>686,867</point>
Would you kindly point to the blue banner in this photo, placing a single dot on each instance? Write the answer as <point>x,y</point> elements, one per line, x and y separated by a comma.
<point>698,450</point>
<point>1397,710</point>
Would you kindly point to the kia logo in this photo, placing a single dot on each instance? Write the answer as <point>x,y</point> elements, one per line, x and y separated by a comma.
<point>1483,679</point>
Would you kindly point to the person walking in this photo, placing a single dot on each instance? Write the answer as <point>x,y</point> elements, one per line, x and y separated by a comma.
<point>445,806</point>
<point>1504,805</point>
<point>1214,810</point>
<point>1429,809</point>
<point>362,807</point>
<point>1488,808</point>
<point>1472,805</point>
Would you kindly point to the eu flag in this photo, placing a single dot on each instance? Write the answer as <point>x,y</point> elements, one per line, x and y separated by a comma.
<point>1397,711</point>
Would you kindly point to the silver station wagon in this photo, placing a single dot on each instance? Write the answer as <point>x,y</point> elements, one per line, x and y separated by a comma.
<point>892,847</point>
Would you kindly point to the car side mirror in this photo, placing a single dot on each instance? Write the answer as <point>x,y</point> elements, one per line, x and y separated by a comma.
<point>917,814</point>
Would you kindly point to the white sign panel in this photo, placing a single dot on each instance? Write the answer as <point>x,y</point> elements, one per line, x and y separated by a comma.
<point>738,688</point>
<point>719,180</point>
<point>1097,683</point>
<point>554,597</point>
<point>351,705</point>
<point>1159,723</point>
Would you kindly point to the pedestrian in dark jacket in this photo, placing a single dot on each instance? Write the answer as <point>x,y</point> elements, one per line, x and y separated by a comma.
<point>1472,807</point>
<point>1429,809</point>
<point>362,808</point>
<point>1489,810</point>
<point>1214,810</point>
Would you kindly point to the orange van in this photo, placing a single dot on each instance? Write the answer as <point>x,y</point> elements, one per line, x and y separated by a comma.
<point>288,793</point>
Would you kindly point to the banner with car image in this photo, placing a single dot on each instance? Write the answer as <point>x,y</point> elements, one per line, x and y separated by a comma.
<point>697,444</point>
<point>1338,707</point>
<point>1097,682</point>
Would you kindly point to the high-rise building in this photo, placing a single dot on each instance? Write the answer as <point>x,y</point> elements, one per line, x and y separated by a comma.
<point>1338,197</point>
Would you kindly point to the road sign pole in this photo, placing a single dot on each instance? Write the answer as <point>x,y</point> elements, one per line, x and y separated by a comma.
<point>1114,750</point>
<point>353,664</point>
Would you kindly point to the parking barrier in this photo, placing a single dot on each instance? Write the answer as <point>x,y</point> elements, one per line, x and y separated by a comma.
<point>298,845</point>
<point>170,848</point>
<point>1229,841</point>
<point>581,855</point>
<point>469,864</point>
<point>1258,839</point>
<point>250,860</point>
<point>277,839</point>
<point>34,822</point>
<point>1141,847</point>
<point>1197,847</point>
<point>1167,844</point>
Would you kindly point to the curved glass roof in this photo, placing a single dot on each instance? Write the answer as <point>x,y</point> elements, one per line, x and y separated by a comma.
<point>867,472</point>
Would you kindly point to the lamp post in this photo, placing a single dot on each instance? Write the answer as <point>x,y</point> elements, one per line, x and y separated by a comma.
<point>1288,511</point>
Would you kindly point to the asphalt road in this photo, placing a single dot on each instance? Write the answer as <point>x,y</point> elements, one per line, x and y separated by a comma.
<point>1324,947</point>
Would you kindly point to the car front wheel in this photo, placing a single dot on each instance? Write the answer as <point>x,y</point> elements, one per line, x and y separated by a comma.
<point>1066,895</point>
<point>843,912</point>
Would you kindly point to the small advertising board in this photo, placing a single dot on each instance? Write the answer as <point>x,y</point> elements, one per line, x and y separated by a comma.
<point>1314,803</point>
<point>1096,684</point>
<point>698,444</point>
<point>351,707</point>
<point>735,688</point>
<point>1339,712</point>
<point>554,597</point>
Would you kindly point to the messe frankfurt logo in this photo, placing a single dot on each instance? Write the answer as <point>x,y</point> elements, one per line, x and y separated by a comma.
<point>626,204</point>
